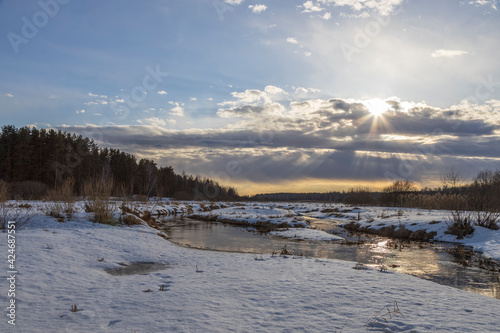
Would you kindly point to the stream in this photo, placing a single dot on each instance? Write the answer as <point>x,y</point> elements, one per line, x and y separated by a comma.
<point>425,260</point>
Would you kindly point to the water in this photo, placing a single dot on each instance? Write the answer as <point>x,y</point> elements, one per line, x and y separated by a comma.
<point>430,262</point>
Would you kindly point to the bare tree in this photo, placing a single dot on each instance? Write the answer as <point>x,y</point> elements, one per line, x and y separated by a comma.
<point>400,186</point>
<point>453,177</point>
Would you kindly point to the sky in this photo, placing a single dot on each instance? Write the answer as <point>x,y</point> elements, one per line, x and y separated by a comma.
<point>266,96</point>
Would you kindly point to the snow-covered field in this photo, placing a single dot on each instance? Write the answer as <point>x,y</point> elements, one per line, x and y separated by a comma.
<point>61,265</point>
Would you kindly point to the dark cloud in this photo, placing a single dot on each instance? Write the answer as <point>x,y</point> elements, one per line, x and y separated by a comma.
<point>332,139</point>
<point>429,121</point>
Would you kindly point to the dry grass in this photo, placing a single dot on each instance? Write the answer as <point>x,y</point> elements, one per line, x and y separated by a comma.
<point>97,192</point>
<point>382,317</point>
<point>131,215</point>
<point>149,219</point>
<point>103,210</point>
<point>435,201</point>
<point>10,212</point>
<point>99,187</point>
<point>62,201</point>
<point>129,219</point>
<point>461,223</point>
<point>4,209</point>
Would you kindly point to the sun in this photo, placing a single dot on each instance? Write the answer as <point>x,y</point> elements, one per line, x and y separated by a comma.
<point>377,107</point>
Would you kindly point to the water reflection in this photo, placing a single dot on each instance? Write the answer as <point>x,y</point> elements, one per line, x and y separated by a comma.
<point>430,263</point>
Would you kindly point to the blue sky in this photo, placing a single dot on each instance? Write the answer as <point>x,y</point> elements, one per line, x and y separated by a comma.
<point>264,95</point>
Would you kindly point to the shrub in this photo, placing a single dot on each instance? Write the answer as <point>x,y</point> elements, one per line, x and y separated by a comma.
<point>28,190</point>
<point>4,191</point>
<point>359,196</point>
<point>102,209</point>
<point>460,224</point>
<point>54,209</point>
<point>4,209</point>
<point>487,219</point>
<point>129,219</point>
<point>9,212</point>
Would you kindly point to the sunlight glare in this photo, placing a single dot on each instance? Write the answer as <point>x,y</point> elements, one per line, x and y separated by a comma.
<point>377,107</point>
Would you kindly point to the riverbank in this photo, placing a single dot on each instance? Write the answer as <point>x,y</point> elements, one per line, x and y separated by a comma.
<point>405,223</point>
<point>62,266</point>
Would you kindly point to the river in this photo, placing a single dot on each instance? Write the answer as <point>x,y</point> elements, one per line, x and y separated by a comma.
<point>427,261</point>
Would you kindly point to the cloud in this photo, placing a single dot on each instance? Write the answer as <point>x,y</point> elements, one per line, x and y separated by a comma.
<point>257,9</point>
<point>251,111</point>
<point>99,96</point>
<point>246,97</point>
<point>177,110</point>
<point>310,7</point>
<point>302,90</point>
<point>381,7</point>
<point>234,2</point>
<point>253,103</point>
<point>274,156</point>
<point>342,118</point>
<point>80,111</point>
<point>272,90</point>
<point>162,92</point>
<point>9,95</point>
<point>327,16</point>
<point>490,3</point>
<point>294,41</point>
<point>448,53</point>
<point>277,137</point>
<point>154,121</point>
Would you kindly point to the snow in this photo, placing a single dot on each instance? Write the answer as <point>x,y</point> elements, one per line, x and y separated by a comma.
<point>63,264</point>
<point>253,213</point>
<point>309,234</point>
<point>485,241</point>
<point>482,240</point>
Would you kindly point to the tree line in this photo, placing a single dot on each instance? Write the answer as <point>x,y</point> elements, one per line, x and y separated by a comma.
<point>34,160</point>
<point>482,193</point>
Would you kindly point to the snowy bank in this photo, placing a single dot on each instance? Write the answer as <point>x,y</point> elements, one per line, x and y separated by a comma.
<point>306,234</point>
<point>253,214</point>
<point>61,265</point>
